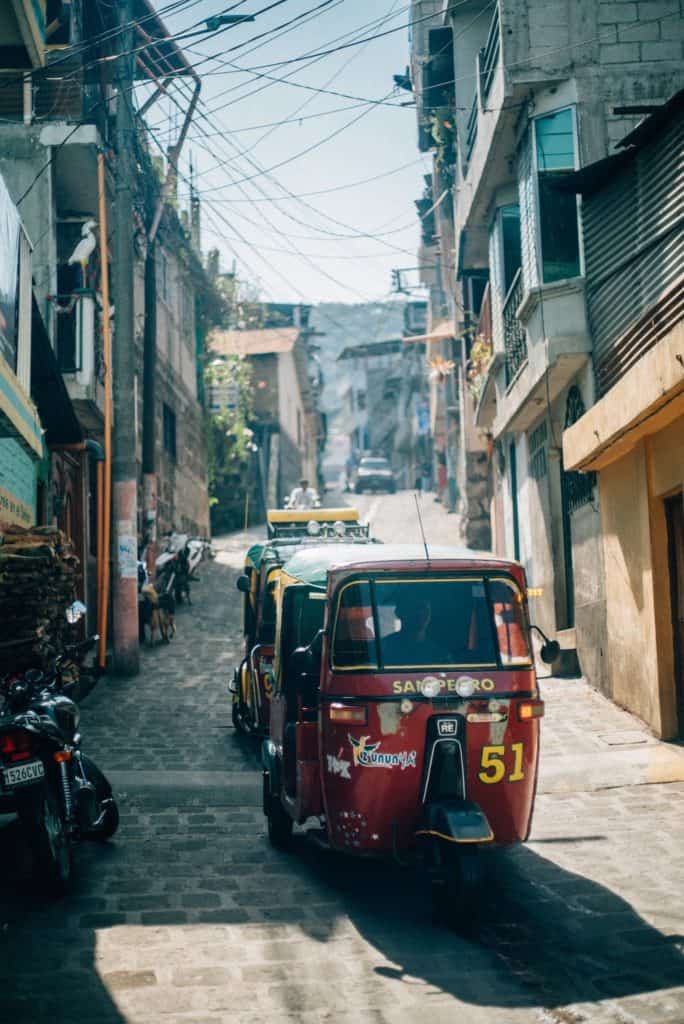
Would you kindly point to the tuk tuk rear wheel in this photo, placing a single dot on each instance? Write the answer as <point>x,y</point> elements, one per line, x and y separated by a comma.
<point>279,823</point>
<point>457,899</point>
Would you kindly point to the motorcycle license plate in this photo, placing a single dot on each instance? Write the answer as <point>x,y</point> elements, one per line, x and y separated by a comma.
<point>20,774</point>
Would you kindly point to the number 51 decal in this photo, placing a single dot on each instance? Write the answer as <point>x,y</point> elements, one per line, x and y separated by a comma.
<point>493,765</point>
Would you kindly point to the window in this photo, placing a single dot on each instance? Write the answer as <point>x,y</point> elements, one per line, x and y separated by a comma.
<point>354,635</point>
<point>420,623</point>
<point>510,622</point>
<point>169,429</point>
<point>510,244</point>
<point>559,232</point>
<point>537,448</point>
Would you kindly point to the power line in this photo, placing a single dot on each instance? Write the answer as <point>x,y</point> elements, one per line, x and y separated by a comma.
<point>323,191</point>
<point>275,80</point>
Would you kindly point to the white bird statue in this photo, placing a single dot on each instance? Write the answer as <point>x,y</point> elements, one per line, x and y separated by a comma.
<point>84,249</point>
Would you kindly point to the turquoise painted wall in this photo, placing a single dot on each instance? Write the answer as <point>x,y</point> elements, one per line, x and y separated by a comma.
<point>18,483</point>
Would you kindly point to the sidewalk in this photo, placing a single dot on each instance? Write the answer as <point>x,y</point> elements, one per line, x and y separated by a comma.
<point>588,743</point>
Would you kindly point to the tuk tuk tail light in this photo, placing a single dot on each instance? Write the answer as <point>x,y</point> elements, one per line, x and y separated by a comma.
<point>343,713</point>
<point>530,709</point>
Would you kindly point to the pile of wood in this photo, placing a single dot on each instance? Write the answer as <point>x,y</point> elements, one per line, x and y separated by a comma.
<point>38,576</point>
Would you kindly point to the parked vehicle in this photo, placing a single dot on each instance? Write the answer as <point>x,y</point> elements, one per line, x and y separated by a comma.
<point>198,549</point>
<point>251,684</point>
<point>58,794</point>
<point>405,708</point>
<point>373,473</point>
<point>172,568</point>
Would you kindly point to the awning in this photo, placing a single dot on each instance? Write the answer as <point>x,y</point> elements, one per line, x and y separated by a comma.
<point>442,331</point>
<point>48,389</point>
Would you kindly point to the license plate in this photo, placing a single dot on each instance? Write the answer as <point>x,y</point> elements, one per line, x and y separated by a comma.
<point>21,774</point>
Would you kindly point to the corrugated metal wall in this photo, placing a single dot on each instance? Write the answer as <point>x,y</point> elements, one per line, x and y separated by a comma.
<point>634,248</point>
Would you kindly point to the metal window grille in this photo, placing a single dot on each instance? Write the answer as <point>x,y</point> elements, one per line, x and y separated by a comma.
<point>488,57</point>
<point>471,133</point>
<point>538,465</point>
<point>578,487</point>
<point>515,339</point>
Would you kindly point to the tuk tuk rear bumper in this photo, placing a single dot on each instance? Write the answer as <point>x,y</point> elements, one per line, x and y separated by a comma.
<point>455,821</point>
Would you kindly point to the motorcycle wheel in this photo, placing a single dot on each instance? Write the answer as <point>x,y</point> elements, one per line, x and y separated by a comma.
<point>103,792</point>
<point>49,842</point>
<point>109,824</point>
<point>279,823</point>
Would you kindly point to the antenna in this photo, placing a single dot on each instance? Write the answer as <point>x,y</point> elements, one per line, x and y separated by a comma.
<point>420,520</point>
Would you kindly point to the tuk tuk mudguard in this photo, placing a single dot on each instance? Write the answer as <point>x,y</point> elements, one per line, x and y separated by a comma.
<point>455,821</point>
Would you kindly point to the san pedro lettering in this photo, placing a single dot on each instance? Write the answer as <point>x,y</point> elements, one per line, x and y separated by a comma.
<point>402,687</point>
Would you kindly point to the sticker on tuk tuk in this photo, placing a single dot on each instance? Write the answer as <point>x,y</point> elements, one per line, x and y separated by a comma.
<point>447,726</point>
<point>338,766</point>
<point>369,755</point>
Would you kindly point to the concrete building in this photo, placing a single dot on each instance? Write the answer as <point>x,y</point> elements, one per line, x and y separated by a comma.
<point>512,96</point>
<point>458,449</point>
<point>631,440</point>
<point>21,439</point>
<point>287,424</point>
<point>52,126</point>
<point>386,405</point>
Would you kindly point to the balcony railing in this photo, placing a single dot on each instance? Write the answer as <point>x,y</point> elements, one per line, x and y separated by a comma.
<point>471,133</point>
<point>515,340</point>
<point>488,57</point>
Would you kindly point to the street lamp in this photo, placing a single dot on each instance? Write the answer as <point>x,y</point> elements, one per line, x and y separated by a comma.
<point>218,20</point>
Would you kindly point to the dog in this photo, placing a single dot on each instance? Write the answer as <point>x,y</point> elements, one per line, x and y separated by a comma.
<point>157,614</point>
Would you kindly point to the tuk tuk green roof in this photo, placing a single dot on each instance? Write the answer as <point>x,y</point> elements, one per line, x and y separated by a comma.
<point>311,565</point>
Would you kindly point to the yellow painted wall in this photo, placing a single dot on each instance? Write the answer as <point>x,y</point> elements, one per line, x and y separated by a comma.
<point>640,661</point>
<point>629,586</point>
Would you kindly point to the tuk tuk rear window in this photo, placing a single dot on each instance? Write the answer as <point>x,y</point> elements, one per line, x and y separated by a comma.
<point>428,622</point>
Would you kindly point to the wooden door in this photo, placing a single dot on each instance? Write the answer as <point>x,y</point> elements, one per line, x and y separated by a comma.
<point>675,529</point>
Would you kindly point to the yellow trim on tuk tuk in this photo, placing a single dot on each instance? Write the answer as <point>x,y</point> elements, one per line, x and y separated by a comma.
<point>318,515</point>
<point>452,839</point>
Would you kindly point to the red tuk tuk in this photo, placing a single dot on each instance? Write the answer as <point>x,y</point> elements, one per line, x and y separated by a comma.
<point>405,711</point>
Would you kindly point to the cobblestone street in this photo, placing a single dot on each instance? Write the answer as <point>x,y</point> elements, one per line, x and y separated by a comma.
<point>188,915</point>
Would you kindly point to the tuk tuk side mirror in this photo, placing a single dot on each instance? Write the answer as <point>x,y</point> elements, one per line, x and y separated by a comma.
<point>550,652</point>
<point>242,583</point>
<point>303,661</point>
<point>550,649</point>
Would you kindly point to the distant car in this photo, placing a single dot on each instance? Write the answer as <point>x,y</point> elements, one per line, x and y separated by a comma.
<point>374,474</point>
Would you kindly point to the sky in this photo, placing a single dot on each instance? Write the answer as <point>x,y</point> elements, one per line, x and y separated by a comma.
<point>338,246</point>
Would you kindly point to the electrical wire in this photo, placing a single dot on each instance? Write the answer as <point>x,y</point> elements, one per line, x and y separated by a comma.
<point>322,191</point>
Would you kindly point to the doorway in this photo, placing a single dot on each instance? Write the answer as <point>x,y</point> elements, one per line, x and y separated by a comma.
<point>674,510</point>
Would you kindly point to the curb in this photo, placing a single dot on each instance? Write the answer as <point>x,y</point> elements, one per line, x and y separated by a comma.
<point>229,789</point>
<point>635,766</point>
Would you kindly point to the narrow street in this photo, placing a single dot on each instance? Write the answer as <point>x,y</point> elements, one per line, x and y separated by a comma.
<point>189,916</point>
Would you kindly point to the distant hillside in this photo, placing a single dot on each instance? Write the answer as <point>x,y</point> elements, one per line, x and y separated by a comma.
<point>345,325</point>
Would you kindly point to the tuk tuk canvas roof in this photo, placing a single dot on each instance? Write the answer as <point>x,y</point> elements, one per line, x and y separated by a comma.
<point>344,515</point>
<point>311,565</point>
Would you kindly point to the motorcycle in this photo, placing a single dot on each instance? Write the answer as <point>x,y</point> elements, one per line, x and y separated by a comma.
<point>172,566</point>
<point>198,550</point>
<point>58,794</point>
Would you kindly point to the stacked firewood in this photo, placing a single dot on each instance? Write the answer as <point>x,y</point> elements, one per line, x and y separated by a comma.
<point>38,575</point>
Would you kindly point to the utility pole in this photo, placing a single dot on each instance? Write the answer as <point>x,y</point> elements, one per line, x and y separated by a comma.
<point>124,470</point>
